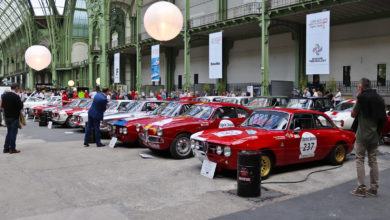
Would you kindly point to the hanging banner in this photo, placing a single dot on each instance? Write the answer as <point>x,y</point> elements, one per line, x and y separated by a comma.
<point>117,74</point>
<point>215,55</point>
<point>28,80</point>
<point>155,69</point>
<point>317,43</point>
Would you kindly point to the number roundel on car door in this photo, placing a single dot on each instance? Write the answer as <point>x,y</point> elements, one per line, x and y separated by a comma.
<point>308,145</point>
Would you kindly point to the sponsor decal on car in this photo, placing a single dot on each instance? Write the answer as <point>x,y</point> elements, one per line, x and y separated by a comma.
<point>226,124</point>
<point>279,137</point>
<point>227,133</point>
<point>308,145</point>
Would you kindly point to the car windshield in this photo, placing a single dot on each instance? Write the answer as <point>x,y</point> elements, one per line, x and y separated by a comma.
<point>72,104</point>
<point>230,100</point>
<point>164,109</point>
<point>112,105</point>
<point>262,102</point>
<point>53,101</point>
<point>199,111</point>
<point>84,103</point>
<point>130,106</point>
<point>344,106</point>
<point>203,99</point>
<point>270,120</point>
<point>299,103</point>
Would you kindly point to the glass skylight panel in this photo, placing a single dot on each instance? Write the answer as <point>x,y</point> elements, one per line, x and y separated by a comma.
<point>40,7</point>
<point>60,4</point>
<point>81,4</point>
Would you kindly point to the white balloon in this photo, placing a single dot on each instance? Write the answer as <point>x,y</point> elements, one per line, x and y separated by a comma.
<point>70,83</point>
<point>98,81</point>
<point>163,21</point>
<point>38,57</point>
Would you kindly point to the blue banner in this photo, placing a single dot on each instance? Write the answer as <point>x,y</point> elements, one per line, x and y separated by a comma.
<point>155,63</point>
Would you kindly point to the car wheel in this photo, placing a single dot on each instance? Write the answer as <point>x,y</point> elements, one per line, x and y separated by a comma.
<point>70,123</point>
<point>337,155</point>
<point>266,165</point>
<point>181,147</point>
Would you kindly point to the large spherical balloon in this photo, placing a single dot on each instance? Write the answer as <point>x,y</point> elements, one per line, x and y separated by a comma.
<point>98,81</point>
<point>70,83</point>
<point>38,57</point>
<point>163,21</point>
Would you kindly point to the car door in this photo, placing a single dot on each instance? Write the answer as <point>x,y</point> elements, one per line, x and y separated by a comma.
<point>325,133</point>
<point>225,117</point>
<point>301,139</point>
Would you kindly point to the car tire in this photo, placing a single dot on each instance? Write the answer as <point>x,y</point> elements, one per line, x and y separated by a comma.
<point>266,165</point>
<point>337,155</point>
<point>181,147</point>
<point>69,123</point>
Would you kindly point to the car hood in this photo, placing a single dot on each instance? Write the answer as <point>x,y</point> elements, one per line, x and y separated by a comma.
<point>130,120</point>
<point>231,136</point>
<point>176,122</point>
<point>338,115</point>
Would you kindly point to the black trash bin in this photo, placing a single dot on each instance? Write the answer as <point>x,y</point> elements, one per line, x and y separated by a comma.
<point>42,119</point>
<point>91,135</point>
<point>249,174</point>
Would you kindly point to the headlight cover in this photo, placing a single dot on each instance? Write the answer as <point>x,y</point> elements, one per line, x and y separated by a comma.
<point>227,151</point>
<point>138,127</point>
<point>159,131</point>
<point>124,130</point>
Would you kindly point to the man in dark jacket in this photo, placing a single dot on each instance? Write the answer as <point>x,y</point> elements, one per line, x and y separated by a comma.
<point>12,106</point>
<point>95,115</point>
<point>370,115</point>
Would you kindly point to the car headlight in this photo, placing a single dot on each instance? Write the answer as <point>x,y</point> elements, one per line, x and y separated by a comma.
<point>159,131</point>
<point>138,127</point>
<point>227,151</point>
<point>120,130</point>
<point>219,150</point>
<point>109,128</point>
<point>124,130</point>
<point>113,128</point>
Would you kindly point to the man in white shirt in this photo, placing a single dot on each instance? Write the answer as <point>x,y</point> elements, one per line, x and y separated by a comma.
<point>338,97</point>
<point>306,93</point>
<point>315,93</point>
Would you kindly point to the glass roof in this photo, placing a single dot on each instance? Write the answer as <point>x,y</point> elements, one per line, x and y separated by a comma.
<point>41,7</point>
<point>10,17</point>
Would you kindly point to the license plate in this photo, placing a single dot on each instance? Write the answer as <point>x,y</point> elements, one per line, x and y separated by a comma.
<point>113,142</point>
<point>208,169</point>
<point>50,124</point>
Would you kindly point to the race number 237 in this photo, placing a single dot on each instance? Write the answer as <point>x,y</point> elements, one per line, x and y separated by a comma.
<point>308,145</point>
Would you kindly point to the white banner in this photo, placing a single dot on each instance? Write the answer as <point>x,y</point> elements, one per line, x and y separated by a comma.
<point>155,67</point>
<point>317,43</point>
<point>117,74</point>
<point>21,79</point>
<point>215,55</point>
<point>28,80</point>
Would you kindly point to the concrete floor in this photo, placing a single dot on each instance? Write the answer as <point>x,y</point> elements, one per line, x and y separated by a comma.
<point>55,177</point>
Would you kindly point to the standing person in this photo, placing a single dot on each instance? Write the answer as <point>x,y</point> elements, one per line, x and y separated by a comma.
<point>163,94</point>
<point>205,93</point>
<point>315,94</point>
<point>369,111</point>
<point>65,98</point>
<point>95,115</point>
<point>86,94</point>
<point>338,97</point>
<point>12,106</point>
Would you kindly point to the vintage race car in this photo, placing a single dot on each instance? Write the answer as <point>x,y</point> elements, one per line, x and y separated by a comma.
<point>239,100</point>
<point>126,130</point>
<point>284,136</point>
<point>81,117</point>
<point>64,116</point>
<point>135,110</point>
<point>173,134</point>
<point>73,104</point>
<point>321,104</point>
<point>341,114</point>
<point>55,101</point>
<point>268,102</point>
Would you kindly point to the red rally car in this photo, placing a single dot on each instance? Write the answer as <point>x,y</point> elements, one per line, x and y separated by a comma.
<point>284,136</point>
<point>126,130</point>
<point>174,134</point>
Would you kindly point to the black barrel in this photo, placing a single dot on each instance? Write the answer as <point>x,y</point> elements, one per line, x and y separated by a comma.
<point>91,135</point>
<point>249,174</point>
<point>42,119</point>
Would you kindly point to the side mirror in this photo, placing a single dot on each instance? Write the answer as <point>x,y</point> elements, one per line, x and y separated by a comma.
<point>297,130</point>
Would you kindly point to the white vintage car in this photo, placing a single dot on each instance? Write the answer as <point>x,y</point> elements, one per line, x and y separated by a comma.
<point>239,100</point>
<point>341,114</point>
<point>210,98</point>
<point>32,102</point>
<point>114,106</point>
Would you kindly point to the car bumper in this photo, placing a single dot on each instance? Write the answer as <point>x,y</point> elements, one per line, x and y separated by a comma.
<point>201,155</point>
<point>155,142</point>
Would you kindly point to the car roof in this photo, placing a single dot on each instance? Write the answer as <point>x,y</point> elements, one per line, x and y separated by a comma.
<point>290,110</point>
<point>270,97</point>
<point>188,102</point>
<point>310,98</point>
